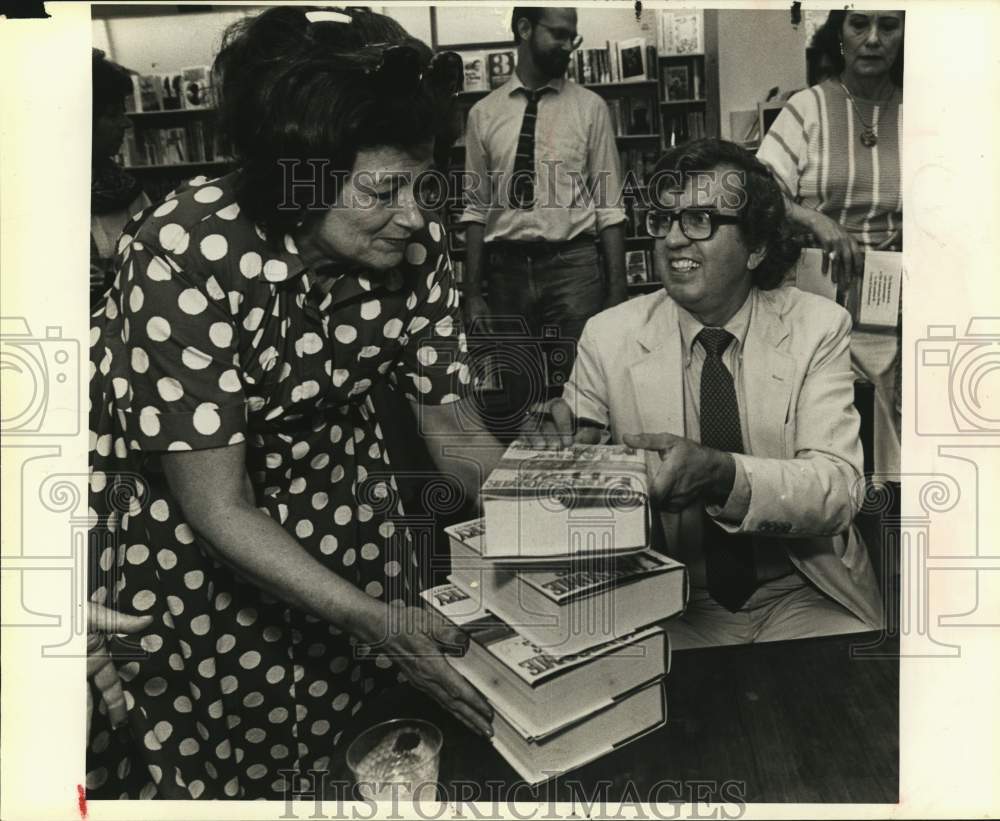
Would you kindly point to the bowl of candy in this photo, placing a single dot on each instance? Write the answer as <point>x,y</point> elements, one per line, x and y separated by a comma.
<point>397,760</point>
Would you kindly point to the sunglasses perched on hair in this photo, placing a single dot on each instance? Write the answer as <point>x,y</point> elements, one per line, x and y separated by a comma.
<point>696,223</point>
<point>402,67</point>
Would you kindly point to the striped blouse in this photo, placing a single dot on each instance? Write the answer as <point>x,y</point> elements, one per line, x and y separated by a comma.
<point>814,149</point>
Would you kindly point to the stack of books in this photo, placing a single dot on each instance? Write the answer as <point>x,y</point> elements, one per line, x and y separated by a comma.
<point>565,637</point>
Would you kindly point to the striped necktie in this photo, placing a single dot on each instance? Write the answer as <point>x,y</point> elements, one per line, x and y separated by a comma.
<point>729,557</point>
<point>522,188</point>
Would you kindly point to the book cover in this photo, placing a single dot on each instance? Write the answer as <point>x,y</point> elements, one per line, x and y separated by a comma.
<point>149,97</point>
<point>633,59</point>
<point>475,71</point>
<point>171,95</point>
<point>636,268</point>
<point>681,32</point>
<point>196,84</point>
<point>578,500</point>
<point>880,289</point>
<point>499,67</point>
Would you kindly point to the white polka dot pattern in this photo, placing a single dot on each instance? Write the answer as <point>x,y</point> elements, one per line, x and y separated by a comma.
<point>215,333</point>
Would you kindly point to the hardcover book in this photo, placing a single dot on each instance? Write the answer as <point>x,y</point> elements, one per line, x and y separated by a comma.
<point>475,71</point>
<point>880,289</point>
<point>633,59</point>
<point>540,758</point>
<point>540,691</point>
<point>566,607</point>
<point>499,67</point>
<point>544,501</point>
<point>196,83</point>
<point>148,94</point>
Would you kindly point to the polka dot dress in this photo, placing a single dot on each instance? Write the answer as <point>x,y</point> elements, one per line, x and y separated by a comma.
<point>211,337</point>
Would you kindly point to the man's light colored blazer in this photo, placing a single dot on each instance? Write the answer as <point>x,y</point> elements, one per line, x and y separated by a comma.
<point>804,457</point>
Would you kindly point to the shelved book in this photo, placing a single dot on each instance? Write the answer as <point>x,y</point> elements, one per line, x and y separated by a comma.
<point>474,64</point>
<point>543,501</point>
<point>637,267</point>
<point>568,607</point>
<point>541,692</point>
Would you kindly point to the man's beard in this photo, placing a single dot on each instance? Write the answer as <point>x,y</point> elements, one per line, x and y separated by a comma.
<point>553,64</point>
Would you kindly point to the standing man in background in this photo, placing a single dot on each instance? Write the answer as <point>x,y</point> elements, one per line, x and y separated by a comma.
<point>555,188</point>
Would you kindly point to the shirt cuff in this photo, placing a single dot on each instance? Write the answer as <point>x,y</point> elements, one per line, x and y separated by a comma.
<point>738,502</point>
<point>473,216</point>
<point>607,217</point>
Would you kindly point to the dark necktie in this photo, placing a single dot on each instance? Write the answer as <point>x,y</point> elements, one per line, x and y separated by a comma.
<point>729,560</point>
<point>522,189</point>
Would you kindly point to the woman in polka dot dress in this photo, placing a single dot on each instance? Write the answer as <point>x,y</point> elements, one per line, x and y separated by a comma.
<point>238,475</point>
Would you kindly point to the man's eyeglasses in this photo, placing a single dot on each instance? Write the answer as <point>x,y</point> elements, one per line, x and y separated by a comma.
<point>563,35</point>
<point>696,223</point>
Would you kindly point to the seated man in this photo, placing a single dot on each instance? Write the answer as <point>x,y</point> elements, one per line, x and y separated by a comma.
<point>742,394</point>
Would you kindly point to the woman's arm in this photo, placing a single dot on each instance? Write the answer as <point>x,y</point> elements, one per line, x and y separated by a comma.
<point>215,496</point>
<point>459,443</point>
<point>843,256</point>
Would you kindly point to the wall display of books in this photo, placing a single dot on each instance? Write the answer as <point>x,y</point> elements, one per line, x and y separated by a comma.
<point>196,141</point>
<point>191,88</point>
<point>597,66</point>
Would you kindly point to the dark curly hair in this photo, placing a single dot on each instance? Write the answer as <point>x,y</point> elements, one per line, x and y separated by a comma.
<point>111,82</point>
<point>762,214</point>
<point>294,90</point>
<point>828,38</point>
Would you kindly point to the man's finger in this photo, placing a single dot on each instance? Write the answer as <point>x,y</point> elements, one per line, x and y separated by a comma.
<point>562,420</point>
<point>101,619</point>
<point>649,441</point>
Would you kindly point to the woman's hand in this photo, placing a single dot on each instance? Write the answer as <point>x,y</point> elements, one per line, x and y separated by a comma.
<point>554,424</point>
<point>417,640</point>
<point>842,257</point>
<point>102,622</point>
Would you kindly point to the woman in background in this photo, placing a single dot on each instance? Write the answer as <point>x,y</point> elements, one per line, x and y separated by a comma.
<point>256,514</point>
<point>834,149</point>
<point>115,195</point>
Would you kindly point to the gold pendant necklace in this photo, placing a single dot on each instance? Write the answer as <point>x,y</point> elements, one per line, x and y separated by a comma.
<point>869,136</point>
